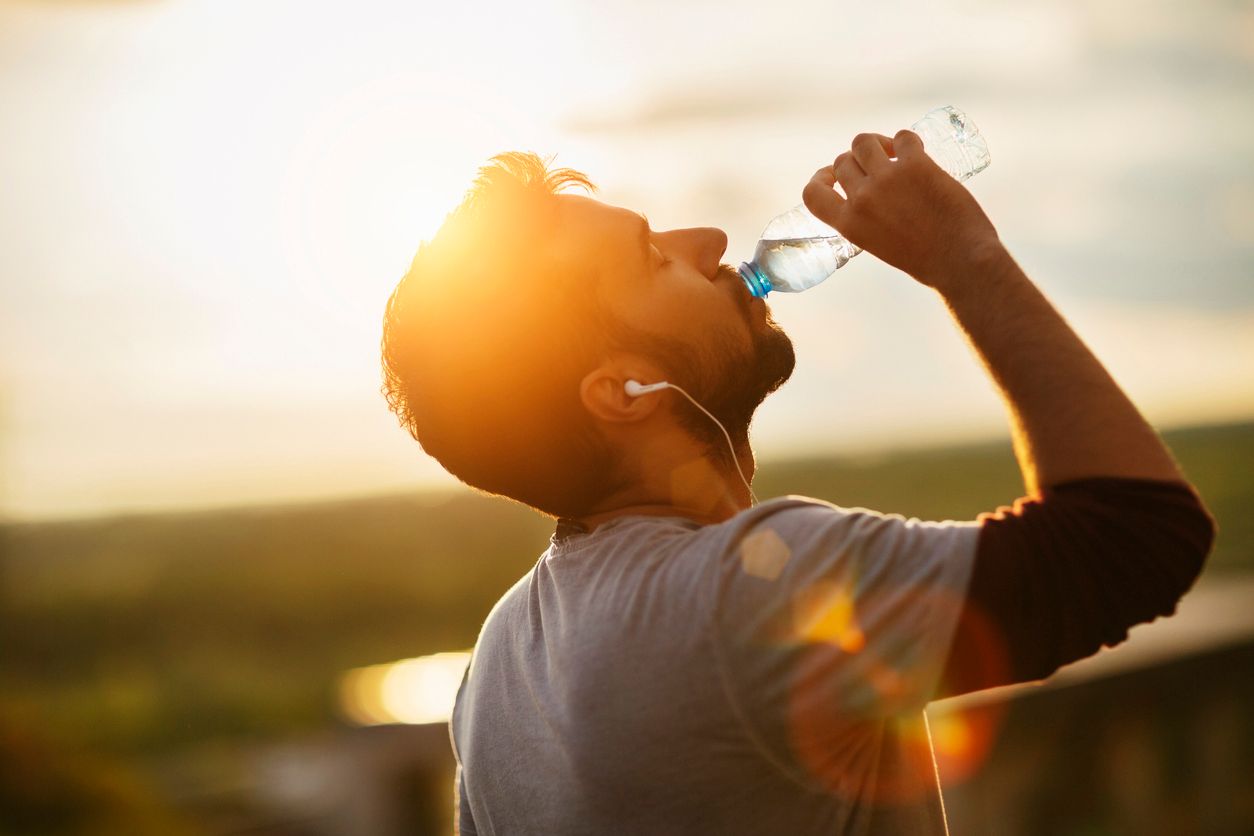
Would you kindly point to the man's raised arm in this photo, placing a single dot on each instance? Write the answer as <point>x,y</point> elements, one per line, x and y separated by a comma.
<point>1069,418</point>
<point>1111,535</point>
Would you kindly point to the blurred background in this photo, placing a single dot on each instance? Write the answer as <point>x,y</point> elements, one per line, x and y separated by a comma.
<point>231,586</point>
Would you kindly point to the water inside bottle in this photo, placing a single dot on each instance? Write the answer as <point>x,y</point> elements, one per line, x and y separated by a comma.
<point>798,263</point>
<point>798,251</point>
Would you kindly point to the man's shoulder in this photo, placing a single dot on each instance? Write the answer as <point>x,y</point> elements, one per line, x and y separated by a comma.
<point>798,537</point>
<point>796,516</point>
<point>512,600</point>
<point>805,514</point>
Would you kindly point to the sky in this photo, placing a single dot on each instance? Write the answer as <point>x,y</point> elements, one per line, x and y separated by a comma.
<point>204,205</point>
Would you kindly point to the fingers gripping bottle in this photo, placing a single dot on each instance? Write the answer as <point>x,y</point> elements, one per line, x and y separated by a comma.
<point>797,250</point>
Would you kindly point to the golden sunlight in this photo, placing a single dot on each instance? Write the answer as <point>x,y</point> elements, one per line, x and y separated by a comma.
<point>411,691</point>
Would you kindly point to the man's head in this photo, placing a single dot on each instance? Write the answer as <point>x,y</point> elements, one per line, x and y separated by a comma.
<point>507,345</point>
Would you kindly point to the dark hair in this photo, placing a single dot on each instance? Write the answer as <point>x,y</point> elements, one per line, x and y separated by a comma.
<point>486,338</point>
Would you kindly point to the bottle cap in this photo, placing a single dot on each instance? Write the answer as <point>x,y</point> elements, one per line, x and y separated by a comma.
<point>757,283</point>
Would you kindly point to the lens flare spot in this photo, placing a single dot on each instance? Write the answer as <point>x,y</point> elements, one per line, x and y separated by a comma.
<point>963,737</point>
<point>696,484</point>
<point>887,681</point>
<point>824,612</point>
<point>951,736</point>
<point>763,554</point>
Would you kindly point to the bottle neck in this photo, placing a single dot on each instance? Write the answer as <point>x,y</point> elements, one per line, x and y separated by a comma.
<point>757,282</point>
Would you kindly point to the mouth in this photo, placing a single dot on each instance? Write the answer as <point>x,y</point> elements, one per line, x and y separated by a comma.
<point>743,299</point>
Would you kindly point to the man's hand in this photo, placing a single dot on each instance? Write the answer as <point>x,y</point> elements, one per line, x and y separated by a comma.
<point>1069,418</point>
<point>903,208</point>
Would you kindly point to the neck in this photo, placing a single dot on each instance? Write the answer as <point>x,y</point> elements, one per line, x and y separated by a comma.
<point>696,486</point>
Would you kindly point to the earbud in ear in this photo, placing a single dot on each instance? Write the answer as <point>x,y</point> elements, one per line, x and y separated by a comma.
<point>635,388</point>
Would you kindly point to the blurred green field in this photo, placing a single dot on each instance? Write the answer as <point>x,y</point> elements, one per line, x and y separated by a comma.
<point>134,637</point>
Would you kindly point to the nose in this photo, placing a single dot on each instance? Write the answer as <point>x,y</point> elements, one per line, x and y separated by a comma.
<point>701,246</point>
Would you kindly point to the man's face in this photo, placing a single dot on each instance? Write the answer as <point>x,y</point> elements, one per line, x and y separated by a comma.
<point>670,298</point>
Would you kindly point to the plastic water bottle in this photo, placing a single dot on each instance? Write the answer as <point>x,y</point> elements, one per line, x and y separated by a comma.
<point>797,250</point>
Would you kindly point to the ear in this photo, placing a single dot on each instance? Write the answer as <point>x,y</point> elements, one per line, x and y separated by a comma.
<point>604,392</point>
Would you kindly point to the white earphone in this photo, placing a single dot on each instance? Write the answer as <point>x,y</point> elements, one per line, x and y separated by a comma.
<point>635,389</point>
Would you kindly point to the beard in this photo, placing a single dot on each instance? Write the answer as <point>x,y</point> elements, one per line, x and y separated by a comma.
<point>722,375</point>
<point>732,383</point>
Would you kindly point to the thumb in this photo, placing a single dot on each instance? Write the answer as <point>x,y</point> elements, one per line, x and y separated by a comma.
<point>907,145</point>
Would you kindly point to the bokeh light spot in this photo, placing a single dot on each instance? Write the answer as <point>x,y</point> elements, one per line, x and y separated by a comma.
<point>415,691</point>
<point>763,554</point>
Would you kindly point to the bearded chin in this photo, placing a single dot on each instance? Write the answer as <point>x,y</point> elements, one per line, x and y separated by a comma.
<point>736,397</point>
<point>725,379</point>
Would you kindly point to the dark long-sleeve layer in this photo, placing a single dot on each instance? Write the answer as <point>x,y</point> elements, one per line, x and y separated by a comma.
<point>1058,577</point>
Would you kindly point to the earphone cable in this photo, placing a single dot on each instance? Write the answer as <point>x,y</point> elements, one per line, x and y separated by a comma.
<point>732,447</point>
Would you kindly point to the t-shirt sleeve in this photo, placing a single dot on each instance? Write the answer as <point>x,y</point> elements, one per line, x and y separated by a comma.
<point>1060,575</point>
<point>830,619</point>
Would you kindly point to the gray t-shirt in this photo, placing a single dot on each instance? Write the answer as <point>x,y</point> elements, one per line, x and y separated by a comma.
<point>767,674</point>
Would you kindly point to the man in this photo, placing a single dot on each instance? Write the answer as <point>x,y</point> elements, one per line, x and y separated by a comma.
<point>681,659</point>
